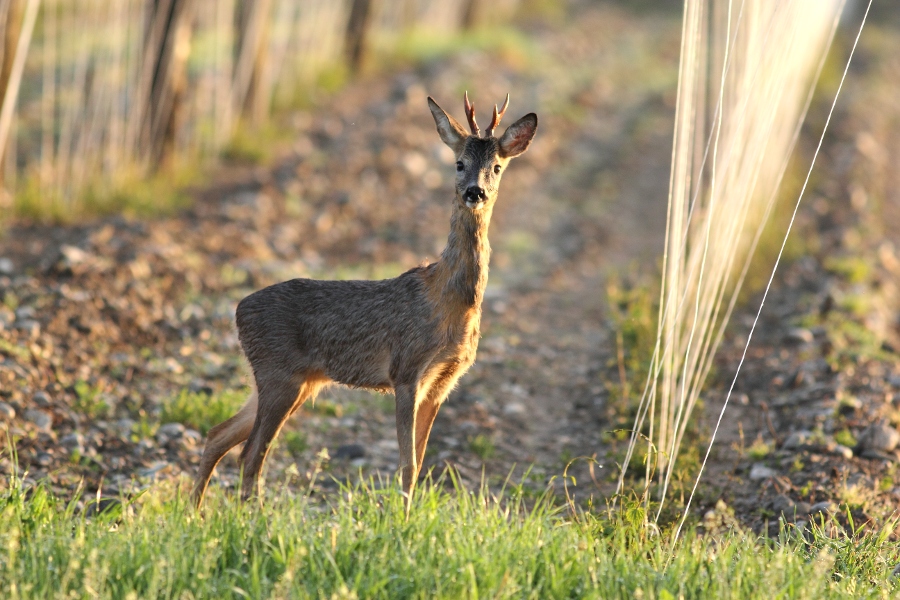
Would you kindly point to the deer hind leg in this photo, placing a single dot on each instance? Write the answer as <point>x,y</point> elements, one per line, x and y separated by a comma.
<point>220,439</point>
<point>279,397</point>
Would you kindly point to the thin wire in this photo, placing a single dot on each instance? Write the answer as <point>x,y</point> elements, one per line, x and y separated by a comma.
<point>771,276</point>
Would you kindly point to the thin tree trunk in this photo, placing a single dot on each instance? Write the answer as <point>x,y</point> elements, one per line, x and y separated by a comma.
<point>473,14</point>
<point>14,55</point>
<point>164,74</point>
<point>356,43</point>
<point>251,97</point>
<point>12,25</point>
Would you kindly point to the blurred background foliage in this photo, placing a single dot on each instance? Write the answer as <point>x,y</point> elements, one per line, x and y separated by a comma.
<point>99,95</point>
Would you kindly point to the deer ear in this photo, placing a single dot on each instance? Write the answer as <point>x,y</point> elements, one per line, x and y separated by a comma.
<point>518,136</point>
<point>450,130</point>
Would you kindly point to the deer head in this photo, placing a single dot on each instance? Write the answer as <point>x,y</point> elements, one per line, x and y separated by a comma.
<point>480,161</point>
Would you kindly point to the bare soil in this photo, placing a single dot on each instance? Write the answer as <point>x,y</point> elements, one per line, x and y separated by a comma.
<point>104,322</point>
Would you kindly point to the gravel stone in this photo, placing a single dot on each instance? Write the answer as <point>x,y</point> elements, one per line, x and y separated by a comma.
<point>783,506</point>
<point>7,412</point>
<point>878,437</point>
<point>24,313</point>
<point>72,442</point>
<point>155,469</point>
<point>349,452</point>
<point>73,255</point>
<point>169,431</point>
<point>6,266</point>
<point>826,507</point>
<point>799,335</point>
<point>760,471</point>
<point>192,437</point>
<point>843,451</point>
<point>514,408</point>
<point>33,328</point>
<point>143,447</point>
<point>124,427</point>
<point>42,399</point>
<point>797,439</point>
<point>40,419</point>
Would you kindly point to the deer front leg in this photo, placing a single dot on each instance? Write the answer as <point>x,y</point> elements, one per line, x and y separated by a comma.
<point>425,415</point>
<point>405,395</point>
<point>428,410</point>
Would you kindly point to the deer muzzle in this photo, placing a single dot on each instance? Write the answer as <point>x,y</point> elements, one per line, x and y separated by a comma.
<point>474,196</point>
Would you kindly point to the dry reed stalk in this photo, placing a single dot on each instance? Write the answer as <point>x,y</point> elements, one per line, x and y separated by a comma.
<point>726,166</point>
<point>114,156</point>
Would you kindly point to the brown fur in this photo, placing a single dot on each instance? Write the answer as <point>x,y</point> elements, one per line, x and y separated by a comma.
<point>414,335</point>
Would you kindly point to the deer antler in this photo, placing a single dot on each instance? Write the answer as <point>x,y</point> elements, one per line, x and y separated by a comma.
<point>495,120</point>
<point>470,115</point>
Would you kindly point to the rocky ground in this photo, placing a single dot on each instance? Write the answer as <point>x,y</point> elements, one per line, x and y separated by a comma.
<point>117,349</point>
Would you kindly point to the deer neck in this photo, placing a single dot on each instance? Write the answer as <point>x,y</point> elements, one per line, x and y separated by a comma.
<point>461,274</point>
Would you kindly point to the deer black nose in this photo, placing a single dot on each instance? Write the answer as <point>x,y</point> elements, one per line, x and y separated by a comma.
<point>475,193</point>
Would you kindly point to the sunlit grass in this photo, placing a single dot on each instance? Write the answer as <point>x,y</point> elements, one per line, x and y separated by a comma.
<point>131,192</point>
<point>202,411</point>
<point>360,544</point>
<point>420,45</point>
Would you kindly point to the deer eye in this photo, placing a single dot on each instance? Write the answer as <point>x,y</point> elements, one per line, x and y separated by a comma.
<point>459,165</point>
<point>497,169</point>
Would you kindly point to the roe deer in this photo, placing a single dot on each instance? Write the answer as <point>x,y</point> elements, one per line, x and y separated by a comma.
<point>415,334</point>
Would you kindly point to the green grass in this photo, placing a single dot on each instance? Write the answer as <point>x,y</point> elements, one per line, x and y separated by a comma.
<point>845,438</point>
<point>633,309</point>
<point>201,411</point>
<point>15,351</point>
<point>131,193</point>
<point>257,145</point>
<point>295,441</point>
<point>456,544</point>
<point>759,450</point>
<point>482,446</point>
<point>422,45</point>
<point>89,400</point>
